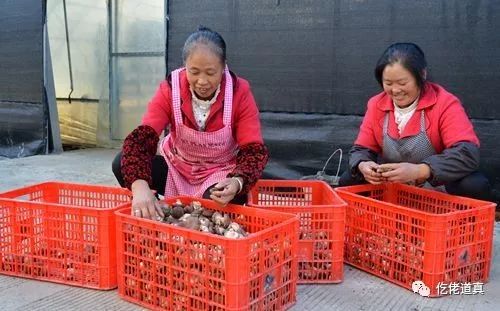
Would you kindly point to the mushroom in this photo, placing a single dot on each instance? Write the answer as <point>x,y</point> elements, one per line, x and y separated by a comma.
<point>206,228</point>
<point>219,230</point>
<point>196,205</point>
<point>177,211</point>
<point>204,221</point>
<point>190,222</point>
<point>195,216</point>
<point>236,227</point>
<point>188,209</point>
<point>171,220</point>
<point>184,217</point>
<point>206,225</point>
<point>216,218</point>
<point>226,221</point>
<point>231,234</point>
<point>207,213</point>
<point>166,208</point>
<point>197,212</point>
<point>178,202</point>
<point>221,220</point>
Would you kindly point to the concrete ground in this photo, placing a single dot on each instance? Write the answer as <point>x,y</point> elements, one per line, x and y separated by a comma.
<point>358,291</point>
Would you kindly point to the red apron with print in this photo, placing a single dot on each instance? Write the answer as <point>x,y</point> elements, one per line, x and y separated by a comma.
<point>196,160</point>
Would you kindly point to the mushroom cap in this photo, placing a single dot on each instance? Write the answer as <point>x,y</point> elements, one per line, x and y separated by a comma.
<point>188,209</point>
<point>207,213</point>
<point>196,205</point>
<point>219,230</point>
<point>177,211</point>
<point>232,234</point>
<point>192,223</point>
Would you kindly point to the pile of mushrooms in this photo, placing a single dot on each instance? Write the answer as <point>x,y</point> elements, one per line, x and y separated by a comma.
<point>194,216</point>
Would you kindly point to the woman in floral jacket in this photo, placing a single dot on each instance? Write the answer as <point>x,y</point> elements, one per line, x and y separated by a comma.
<point>214,147</point>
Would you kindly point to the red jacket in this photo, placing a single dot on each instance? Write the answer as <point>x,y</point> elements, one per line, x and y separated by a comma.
<point>245,115</point>
<point>445,120</point>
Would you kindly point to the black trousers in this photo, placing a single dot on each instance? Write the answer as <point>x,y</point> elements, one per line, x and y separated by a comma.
<point>159,175</point>
<point>475,185</point>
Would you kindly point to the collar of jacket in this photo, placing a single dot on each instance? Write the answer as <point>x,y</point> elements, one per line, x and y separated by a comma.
<point>428,99</point>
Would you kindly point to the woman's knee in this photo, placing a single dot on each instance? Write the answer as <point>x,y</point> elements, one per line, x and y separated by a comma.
<point>346,179</point>
<point>116,167</point>
<point>475,185</point>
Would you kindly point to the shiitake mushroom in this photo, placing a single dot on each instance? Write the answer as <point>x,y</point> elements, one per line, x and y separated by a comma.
<point>166,209</point>
<point>219,230</point>
<point>177,211</point>
<point>205,221</point>
<point>207,213</point>
<point>188,209</point>
<point>178,203</point>
<point>190,222</point>
<point>221,220</point>
<point>207,228</point>
<point>194,216</point>
<point>232,234</point>
<point>171,220</point>
<point>196,205</point>
<point>197,212</point>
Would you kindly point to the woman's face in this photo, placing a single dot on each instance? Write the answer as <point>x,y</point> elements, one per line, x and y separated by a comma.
<point>204,71</point>
<point>400,84</point>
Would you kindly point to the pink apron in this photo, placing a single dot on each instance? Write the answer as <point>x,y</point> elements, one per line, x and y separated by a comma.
<point>196,160</point>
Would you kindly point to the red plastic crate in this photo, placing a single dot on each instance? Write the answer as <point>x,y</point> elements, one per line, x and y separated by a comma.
<point>322,220</point>
<point>404,234</point>
<point>161,266</point>
<point>61,232</point>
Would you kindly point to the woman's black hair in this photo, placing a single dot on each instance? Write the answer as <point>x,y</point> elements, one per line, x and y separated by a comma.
<point>409,55</point>
<point>210,38</point>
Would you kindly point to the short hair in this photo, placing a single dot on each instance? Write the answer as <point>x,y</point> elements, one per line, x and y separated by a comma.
<point>205,35</point>
<point>409,55</point>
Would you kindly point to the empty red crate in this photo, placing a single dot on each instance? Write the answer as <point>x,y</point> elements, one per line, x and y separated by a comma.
<point>404,234</point>
<point>61,232</point>
<point>161,266</point>
<point>322,218</point>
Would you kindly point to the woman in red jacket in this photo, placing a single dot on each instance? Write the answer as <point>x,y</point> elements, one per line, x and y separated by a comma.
<point>214,147</point>
<point>415,131</point>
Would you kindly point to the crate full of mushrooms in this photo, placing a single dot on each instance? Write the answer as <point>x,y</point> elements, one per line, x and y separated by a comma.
<point>202,255</point>
<point>322,222</point>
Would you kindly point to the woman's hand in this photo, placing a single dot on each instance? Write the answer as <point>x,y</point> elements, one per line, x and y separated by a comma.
<point>369,171</point>
<point>405,172</point>
<point>224,191</point>
<point>144,203</point>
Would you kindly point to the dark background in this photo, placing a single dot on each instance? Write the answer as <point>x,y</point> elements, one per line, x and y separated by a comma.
<point>23,107</point>
<point>310,64</point>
